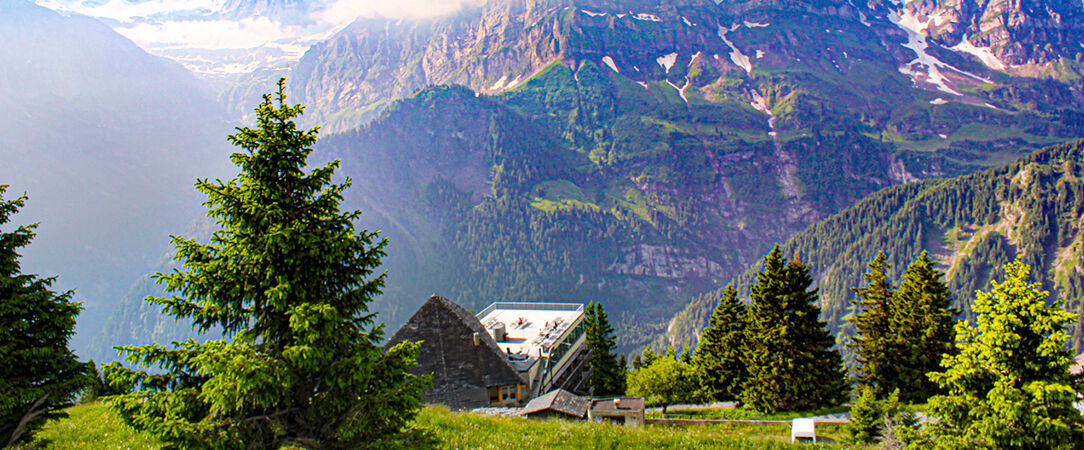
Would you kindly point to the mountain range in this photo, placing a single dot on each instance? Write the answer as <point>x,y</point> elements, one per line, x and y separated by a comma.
<point>643,154</point>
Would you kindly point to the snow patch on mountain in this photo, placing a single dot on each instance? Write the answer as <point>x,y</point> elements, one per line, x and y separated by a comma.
<point>667,61</point>
<point>916,41</point>
<point>515,82</point>
<point>647,17</point>
<point>681,90</point>
<point>942,17</point>
<point>754,24</point>
<point>982,53</point>
<point>610,62</point>
<point>736,55</point>
<point>499,84</point>
<point>760,103</point>
<point>592,13</point>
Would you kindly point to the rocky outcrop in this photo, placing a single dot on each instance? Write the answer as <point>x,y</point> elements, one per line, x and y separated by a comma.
<point>663,261</point>
<point>1010,33</point>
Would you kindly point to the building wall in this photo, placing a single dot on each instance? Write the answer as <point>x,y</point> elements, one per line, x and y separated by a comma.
<point>575,339</point>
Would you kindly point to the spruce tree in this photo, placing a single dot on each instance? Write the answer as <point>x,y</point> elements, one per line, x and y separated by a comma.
<point>866,419</point>
<point>791,363</point>
<point>718,355</point>
<point>874,340</point>
<point>623,373</point>
<point>289,281</point>
<point>645,358</point>
<point>1008,385</point>
<point>607,377</point>
<point>39,375</point>
<point>872,419</point>
<point>921,317</point>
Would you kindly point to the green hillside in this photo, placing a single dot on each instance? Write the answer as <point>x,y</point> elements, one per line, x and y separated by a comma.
<point>972,224</point>
<point>97,426</point>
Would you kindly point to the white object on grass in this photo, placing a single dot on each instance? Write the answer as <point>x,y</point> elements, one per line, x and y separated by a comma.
<point>803,428</point>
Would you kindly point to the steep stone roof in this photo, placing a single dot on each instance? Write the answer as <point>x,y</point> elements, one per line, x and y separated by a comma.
<point>561,401</point>
<point>461,371</point>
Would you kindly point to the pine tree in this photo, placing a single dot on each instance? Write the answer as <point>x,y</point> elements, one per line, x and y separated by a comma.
<point>645,358</point>
<point>792,365</point>
<point>607,377</point>
<point>921,317</point>
<point>873,341</point>
<point>1008,386</point>
<point>866,417</point>
<point>623,373</point>
<point>39,376</point>
<point>289,281</point>
<point>872,419</point>
<point>718,356</point>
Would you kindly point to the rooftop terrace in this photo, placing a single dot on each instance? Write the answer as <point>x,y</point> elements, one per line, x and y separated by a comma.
<point>531,329</point>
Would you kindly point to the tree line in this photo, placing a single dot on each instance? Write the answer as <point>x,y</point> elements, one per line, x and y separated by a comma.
<point>1000,380</point>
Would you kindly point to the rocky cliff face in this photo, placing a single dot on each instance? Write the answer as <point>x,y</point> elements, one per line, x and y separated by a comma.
<point>348,79</point>
<point>1027,37</point>
<point>497,46</point>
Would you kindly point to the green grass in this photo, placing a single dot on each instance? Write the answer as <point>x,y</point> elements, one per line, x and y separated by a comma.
<point>744,414</point>
<point>93,426</point>
<point>464,430</point>
<point>972,132</point>
<point>97,426</point>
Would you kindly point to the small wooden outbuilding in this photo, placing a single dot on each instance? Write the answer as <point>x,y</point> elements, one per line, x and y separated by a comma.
<point>629,410</point>
<point>557,403</point>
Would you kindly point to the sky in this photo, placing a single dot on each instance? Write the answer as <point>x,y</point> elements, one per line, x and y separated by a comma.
<point>191,23</point>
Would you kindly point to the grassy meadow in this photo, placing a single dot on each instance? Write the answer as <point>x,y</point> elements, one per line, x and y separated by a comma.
<point>96,426</point>
<point>742,414</point>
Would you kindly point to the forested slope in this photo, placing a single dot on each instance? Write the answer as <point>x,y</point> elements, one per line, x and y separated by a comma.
<point>972,224</point>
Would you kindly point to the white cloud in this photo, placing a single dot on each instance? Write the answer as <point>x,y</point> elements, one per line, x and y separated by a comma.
<point>191,23</point>
<point>209,34</point>
<point>166,26</point>
<point>126,11</point>
<point>393,9</point>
